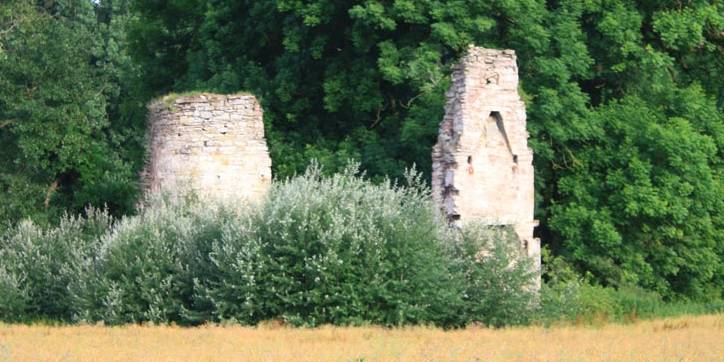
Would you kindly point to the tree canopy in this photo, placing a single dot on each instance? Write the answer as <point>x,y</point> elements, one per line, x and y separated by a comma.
<point>61,137</point>
<point>623,98</point>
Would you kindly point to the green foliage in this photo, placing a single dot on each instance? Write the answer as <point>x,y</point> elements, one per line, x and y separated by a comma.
<point>581,302</point>
<point>624,104</point>
<point>13,296</point>
<point>145,266</point>
<point>495,271</point>
<point>568,298</point>
<point>623,100</point>
<point>640,201</point>
<point>335,249</point>
<point>38,265</point>
<point>340,250</point>
<point>61,85</point>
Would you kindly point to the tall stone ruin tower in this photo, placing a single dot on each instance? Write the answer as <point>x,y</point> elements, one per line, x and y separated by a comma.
<point>209,143</point>
<point>481,165</point>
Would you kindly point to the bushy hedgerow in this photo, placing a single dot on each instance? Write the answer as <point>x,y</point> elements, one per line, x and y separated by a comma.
<point>497,276</point>
<point>566,297</point>
<point>146,266</point>
<point>316,250</point>
<point>38,264</point>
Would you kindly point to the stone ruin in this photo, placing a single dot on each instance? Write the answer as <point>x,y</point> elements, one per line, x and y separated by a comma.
<point>211,144</point>
<point>482,168</point>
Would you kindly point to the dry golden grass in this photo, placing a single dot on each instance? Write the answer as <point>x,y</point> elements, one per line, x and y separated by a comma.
<point>680,339</point>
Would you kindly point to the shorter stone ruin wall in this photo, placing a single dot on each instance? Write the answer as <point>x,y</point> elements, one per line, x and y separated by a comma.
<point>211,144</point>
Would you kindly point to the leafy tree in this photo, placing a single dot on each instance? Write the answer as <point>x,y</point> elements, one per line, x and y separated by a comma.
<point>637,202</point>
<point>59,84</point>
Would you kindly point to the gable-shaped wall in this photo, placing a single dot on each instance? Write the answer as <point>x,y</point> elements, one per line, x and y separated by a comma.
<point>482,166</point>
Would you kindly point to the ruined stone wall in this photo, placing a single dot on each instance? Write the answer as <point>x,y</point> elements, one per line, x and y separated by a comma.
<point>482,166</point>
<point>212,144</point>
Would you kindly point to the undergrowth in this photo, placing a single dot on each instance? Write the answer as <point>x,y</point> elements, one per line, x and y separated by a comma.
<point>317,250</point>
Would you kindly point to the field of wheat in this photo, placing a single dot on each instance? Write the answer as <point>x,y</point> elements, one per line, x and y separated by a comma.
<point>698,338</point>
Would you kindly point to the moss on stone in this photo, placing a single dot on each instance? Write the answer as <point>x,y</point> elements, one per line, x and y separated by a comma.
<point>169,99</point>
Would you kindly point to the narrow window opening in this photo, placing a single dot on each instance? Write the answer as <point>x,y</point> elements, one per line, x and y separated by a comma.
<point>470,160</point>
<point>515,158</point>
<point>498,119</point>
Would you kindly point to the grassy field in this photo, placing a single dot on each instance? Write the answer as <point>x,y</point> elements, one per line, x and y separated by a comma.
<point>698,338</point>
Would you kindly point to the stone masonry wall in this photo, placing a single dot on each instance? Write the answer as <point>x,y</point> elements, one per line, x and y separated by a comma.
<point>212,144</point>
<point>482,166</point>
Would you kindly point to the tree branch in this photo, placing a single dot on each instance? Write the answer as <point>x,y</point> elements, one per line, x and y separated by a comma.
<point>377,119</point>
<point>50,192</point>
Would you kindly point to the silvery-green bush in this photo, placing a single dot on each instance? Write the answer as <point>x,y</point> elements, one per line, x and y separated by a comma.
<point>146,266</point>
<point>337,250</point>
<point>38,264</point>
<point>318,249</point>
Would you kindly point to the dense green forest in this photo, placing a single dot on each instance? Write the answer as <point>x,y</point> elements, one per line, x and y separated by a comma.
<point>624,102</point>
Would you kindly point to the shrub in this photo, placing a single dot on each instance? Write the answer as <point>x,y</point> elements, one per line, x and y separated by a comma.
<point>335,249</point>
<point>39,263</point>
<point>13,296</point>
<point>497,277</point>
<point>567,297</point>
<point>146,266</point>
<point>579,301</point>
